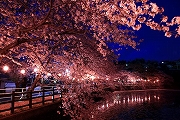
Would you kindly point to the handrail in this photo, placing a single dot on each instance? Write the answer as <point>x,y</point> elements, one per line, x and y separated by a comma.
<point>12,88</point>
<point>14,97</point>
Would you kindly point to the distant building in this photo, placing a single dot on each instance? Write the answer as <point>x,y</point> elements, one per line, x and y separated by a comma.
<point>5,82</point>
<point>178,65</point>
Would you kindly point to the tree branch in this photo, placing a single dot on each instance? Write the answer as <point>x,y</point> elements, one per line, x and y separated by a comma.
<point>40,24</point>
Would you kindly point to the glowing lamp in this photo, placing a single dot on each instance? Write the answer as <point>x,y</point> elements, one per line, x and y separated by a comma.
<point>35,69</point>
<point>5,68</point>
<point>22,71</point>
<point>48,74</point>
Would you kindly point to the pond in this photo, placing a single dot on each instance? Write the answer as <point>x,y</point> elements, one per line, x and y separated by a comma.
<point>140,105</point>
<point>133,105</point>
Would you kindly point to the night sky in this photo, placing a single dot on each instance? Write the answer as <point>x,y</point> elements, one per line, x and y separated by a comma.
<point>155,45</point>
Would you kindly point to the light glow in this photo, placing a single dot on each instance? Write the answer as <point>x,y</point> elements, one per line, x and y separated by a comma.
<point>22,71</point>
<point>35,69</point>
<point>48,74</point>
<point>92,77</point>
<point>59,74</point>
<point>5,68</point>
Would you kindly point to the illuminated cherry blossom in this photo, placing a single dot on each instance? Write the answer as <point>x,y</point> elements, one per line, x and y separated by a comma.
<point>56,35</point>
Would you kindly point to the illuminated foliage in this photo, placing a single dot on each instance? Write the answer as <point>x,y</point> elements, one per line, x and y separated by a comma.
<point>70,38</point>
<point>55,34</point>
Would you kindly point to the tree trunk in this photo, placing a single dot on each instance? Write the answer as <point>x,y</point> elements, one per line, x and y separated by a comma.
<point>33,85</point>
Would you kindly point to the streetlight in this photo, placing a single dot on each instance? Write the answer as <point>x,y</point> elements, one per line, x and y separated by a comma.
<point>5,68</point>
<point>22,71</point>
<point>48,74</point>
<point>35,69</point>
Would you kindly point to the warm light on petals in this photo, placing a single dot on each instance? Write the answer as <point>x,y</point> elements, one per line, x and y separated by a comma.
<point>168,34</point>
<point>178,30</point>
<point>176,20</point>
<point>164,19</point>
<point>154,7</point>
<point>59,74</point>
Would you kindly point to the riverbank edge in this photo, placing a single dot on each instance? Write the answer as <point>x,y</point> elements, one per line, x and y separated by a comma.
<point>146,90</point>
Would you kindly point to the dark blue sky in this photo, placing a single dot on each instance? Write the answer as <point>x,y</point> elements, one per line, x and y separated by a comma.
<point>155,45</point>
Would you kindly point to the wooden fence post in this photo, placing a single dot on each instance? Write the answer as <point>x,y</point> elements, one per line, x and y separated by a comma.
<point>43,95</point>
<point>30,98</point>
<point>61,94</point>
<point>53,94</point>
<point>12,101</point>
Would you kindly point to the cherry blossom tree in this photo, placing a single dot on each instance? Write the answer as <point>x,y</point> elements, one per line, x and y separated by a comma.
<point>44,40</point>
<point>59,31</point>
<point>69,38</point>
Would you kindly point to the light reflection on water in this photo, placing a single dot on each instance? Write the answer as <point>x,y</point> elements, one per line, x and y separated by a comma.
<point>128,98</point>
<point>157,102</point>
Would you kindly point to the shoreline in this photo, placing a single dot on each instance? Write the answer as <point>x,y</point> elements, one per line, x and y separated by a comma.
<point>146,90</point>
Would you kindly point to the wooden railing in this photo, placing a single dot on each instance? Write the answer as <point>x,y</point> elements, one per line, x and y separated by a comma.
<point>34,97</point>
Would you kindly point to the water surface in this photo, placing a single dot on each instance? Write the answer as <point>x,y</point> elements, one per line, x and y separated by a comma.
<point>141,105</point>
